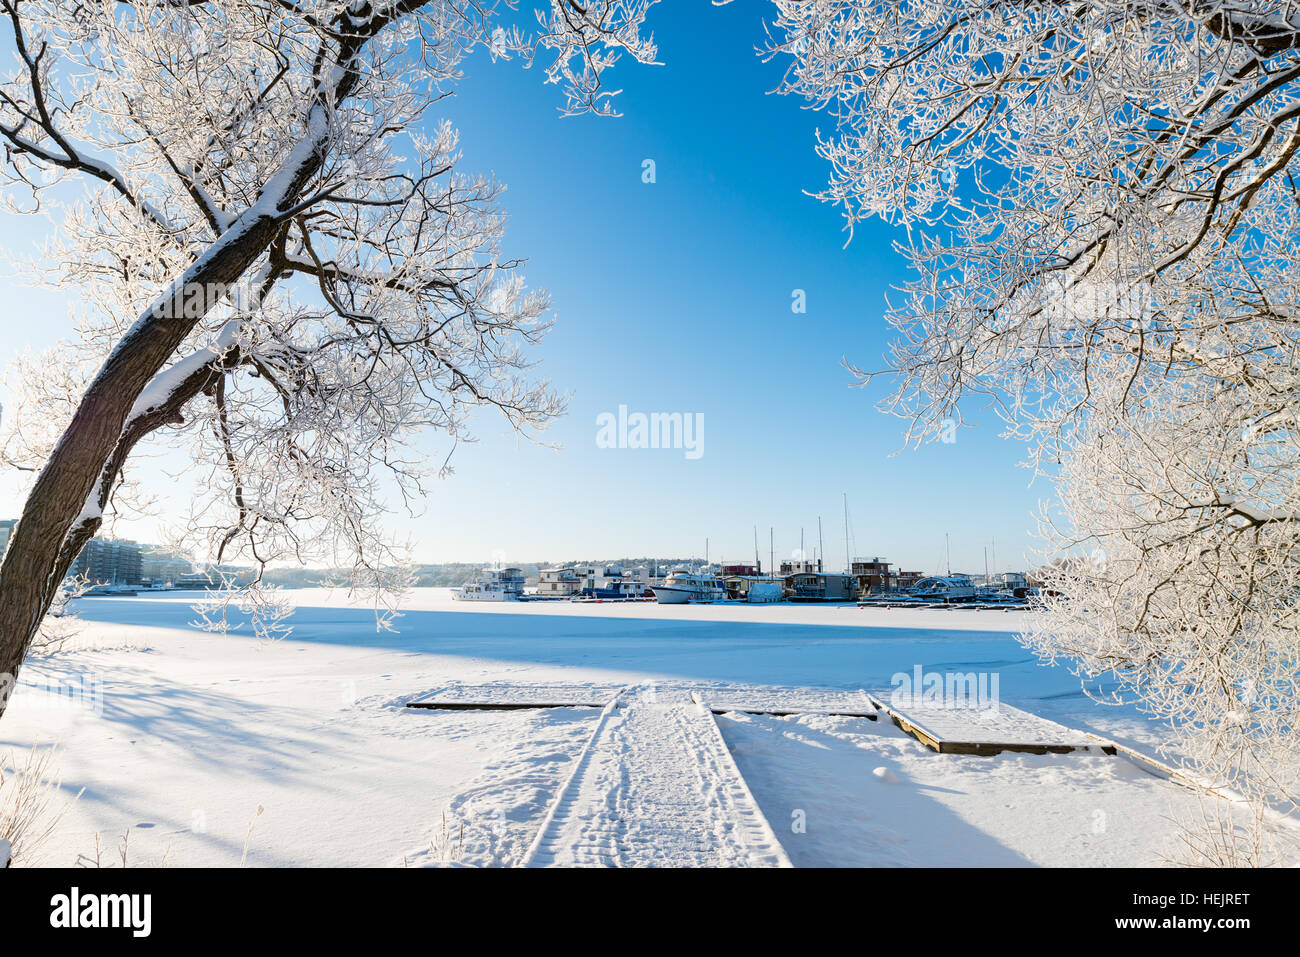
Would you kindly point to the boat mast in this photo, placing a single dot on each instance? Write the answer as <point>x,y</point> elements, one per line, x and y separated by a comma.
<point>771,550</point>
<point>848,562</point>
<point>821,544</point>
<point>947,551</point>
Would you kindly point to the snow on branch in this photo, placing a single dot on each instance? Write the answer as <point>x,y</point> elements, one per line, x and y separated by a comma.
<point>281,264</point>
<point>1100,206</point>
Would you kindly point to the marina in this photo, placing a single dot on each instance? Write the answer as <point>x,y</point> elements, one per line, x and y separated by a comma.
<point>870,583</point>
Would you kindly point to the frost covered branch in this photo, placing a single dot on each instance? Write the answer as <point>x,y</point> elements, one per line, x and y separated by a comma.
<point>1100,206</point>
<point>285,266</point>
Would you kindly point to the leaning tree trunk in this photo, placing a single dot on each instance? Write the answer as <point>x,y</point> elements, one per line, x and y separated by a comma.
<point>59,516</point>
<point>56,521</point>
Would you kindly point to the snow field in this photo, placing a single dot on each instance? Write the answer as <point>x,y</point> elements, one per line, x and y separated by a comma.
<point>188,734</point>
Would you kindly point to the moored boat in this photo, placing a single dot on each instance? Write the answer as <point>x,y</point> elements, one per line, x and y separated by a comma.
<point>944,588</point>
<point>683,586</point>
<point>504,585</point>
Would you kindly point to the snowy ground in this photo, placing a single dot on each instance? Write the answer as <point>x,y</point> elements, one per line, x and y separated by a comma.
<point>185,736</point>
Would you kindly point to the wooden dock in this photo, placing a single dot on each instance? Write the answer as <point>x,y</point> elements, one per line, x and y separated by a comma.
<point>655,785</point>
<point>987,731</point>
<point>786,702</point>
<point>979,731</point>
<point>514,697</point>
<point>436,705</point>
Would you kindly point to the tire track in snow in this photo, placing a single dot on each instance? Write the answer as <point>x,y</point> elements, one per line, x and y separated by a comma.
<point>655,786</point>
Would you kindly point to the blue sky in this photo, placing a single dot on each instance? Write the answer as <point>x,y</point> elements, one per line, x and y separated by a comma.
<point>675,296</point>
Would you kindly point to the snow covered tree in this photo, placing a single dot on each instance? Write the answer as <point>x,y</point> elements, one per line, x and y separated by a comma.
<point>282,263</point>
<point>1101,209</point>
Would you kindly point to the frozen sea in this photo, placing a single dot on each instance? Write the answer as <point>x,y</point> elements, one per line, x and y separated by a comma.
<point>190,748</point>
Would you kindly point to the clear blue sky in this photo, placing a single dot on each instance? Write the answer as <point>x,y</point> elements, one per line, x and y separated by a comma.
<point>676,296</point>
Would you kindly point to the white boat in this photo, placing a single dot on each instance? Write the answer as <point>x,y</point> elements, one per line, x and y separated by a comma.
<point>504,585</point>
<point>944,588</point>
<point>682,586</point>
<point>110,591</point>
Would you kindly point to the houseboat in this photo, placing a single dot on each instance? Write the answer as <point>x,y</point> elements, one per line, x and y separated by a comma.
<point>755,589</point>
<point>504,585</point>
<point>822,586</point>
<point>612,583</point>
<point>561,582</point>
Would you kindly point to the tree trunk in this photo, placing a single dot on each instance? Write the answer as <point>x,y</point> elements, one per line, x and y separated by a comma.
<point>91,451</point>
<point>45,542</point>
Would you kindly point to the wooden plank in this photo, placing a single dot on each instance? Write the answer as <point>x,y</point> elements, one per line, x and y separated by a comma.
<point>869,715</point>
<point>526,705</point>
<point>986,749</point>
<point>512,696</point>
<point>502,705</point>
<point>793,700</point>
<point>907,727</point>
<point>757,816</point>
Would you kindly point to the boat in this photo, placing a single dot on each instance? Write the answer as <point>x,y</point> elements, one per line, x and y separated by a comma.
<point>683,586</point>
<point>754,589</point>
<point>764,591</point>
<point>611,584</point>
<point>111,591</point>
<point>943,588</point>
<point>824,587</point>
<point>506,584</point>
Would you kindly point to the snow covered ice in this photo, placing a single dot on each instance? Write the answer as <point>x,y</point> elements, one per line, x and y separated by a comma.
<point>190,733</point>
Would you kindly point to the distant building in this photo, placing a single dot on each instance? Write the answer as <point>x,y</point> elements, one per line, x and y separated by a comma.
<point>159,566</point>
<point>745,571</point>
<point>109,562</point>
<point>6,530</point>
